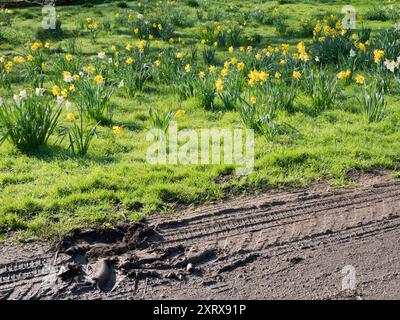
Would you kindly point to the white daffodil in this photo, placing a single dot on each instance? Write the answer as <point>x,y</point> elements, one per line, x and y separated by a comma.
<point>17,98</point>
<point>23,94</point>
<point>101,55</point>
<point>391,65</point>
<point>60,100</point>
<point>68,105</point>
<point>40,91</point>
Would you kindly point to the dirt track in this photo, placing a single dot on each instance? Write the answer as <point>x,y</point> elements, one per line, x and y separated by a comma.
<point>286,245</point>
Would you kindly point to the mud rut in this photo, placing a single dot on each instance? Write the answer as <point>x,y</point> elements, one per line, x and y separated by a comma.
<point>276,245</point>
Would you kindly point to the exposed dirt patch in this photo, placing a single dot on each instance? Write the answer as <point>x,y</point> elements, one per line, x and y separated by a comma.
<point>298,244</point>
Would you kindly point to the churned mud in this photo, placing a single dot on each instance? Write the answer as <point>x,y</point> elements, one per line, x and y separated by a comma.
<point>316,243</point>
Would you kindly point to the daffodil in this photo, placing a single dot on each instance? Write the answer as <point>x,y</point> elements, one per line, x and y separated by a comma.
<point>378,54</point>
<point>180,113</point>
<point>90,69</point>
<point>344,74</point>
<point>219,84</point>
<point>71,117</point>
<point>297,75</point>
<point>240,66</point>
<point>99,79</point>
<point>117,130</point>
<point>360,79</point>
<point>128,47</point>
<point>55,90</point>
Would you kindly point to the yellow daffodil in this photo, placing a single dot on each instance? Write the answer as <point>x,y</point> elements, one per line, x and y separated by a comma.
<point>128,47</point>
<point>99,79</point>
<point>90,69</point>
<point>378,54</point>
<point>71,117</point>
<point>344,74</point>
<point>180,113</point>
<point>55,90</point>
<point>297,75</point>
<point>360,79</point>
<point>219,84</point>
<point>117,130</point>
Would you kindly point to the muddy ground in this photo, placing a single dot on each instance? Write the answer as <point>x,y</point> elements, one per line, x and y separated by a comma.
<point>316,243</point>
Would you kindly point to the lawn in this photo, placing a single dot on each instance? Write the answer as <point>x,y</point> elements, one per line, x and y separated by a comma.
<point>48,190</point>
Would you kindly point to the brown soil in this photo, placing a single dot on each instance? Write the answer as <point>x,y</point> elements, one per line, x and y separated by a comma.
<point>285,245</point>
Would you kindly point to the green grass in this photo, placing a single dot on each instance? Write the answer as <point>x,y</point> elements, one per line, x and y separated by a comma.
<point>48,193</point>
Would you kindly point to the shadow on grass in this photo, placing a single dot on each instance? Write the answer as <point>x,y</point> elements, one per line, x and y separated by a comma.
<point>51,152</point>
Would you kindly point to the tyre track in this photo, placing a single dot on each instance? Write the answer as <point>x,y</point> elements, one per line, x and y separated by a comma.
<point>240,233</point>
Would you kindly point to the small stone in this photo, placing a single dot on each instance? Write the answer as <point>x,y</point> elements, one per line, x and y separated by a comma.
<point>189,267</point>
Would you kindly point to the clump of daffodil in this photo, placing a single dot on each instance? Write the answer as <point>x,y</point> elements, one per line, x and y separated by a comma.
<point>257,76</point>
<point>378,55</point>
<point>141,44</point>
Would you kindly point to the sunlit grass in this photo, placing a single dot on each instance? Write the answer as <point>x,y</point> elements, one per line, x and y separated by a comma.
<point>49,192</point>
